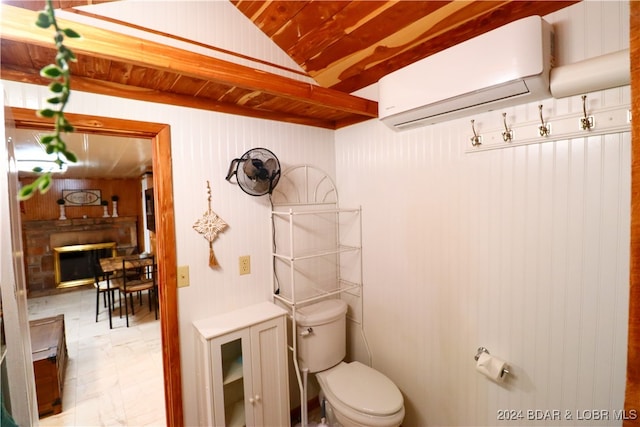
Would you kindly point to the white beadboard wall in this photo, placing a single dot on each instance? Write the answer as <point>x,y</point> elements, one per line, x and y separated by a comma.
<point>524,251</point>
<point>203,144</point>
<point>215,23</point>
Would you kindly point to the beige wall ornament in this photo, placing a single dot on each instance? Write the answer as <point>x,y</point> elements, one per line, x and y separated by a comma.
<point>209,226</point>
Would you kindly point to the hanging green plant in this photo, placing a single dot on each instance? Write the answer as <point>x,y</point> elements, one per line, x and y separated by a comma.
<point>60,88</point>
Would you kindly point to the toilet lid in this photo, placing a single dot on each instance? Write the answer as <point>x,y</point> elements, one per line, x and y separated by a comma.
<point>364,389</point>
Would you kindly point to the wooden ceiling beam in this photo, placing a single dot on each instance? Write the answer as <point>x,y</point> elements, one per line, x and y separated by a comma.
<point>84,84</point>
<point>18,25</point>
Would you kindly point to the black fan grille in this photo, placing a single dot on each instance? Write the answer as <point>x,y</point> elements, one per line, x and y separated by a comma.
<point>257,171</point>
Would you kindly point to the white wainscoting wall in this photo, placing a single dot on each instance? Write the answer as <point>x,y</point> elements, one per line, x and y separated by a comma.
<point>203,144</point>
<point>523,250</point>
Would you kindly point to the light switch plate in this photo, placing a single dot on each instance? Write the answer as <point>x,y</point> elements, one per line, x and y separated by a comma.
<point>183,276</point>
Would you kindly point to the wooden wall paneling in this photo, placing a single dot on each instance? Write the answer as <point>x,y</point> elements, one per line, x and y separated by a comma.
<point>632,396</point>
<point>44,207</point>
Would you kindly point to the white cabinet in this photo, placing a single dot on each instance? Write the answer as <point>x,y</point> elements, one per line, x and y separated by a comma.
<point>241,368</point>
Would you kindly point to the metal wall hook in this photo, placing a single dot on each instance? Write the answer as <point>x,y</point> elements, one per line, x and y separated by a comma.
<point>544,128</point>
<point>586,122</point>
<point>507,135</point>
<point>475,139</point>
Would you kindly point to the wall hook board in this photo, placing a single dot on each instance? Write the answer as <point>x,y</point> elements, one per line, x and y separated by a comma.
<point>610,120</point>
<point>586,122</point>
<point>475,139</point>
<point>507,135</point>
<point>544,128</point>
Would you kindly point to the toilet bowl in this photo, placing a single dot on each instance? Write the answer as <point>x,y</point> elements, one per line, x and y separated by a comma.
<point>361,396</point>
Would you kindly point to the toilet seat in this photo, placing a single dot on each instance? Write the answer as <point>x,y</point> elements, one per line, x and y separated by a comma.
<point>363,389</point>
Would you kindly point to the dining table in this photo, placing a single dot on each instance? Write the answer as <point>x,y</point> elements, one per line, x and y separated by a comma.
<point>113,267</point>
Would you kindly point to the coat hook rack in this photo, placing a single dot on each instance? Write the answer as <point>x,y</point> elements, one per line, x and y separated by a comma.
<point>507,135</point>
<point>544,128</point>
<point>611,119</point>
<point>586,122</point>
<point>475,139</point>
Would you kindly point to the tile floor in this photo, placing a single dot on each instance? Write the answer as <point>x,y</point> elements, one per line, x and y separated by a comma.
<point>113,377</point>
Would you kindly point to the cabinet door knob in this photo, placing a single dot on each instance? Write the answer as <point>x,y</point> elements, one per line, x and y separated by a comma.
<point>257,398</point>
<point>252,400</point>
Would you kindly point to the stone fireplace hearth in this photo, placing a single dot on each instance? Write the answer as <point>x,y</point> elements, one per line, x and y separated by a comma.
<point>41,237</point>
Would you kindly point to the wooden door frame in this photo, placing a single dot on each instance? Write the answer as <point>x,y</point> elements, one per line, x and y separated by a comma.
<point>160,135</point>
<point>632,396</point>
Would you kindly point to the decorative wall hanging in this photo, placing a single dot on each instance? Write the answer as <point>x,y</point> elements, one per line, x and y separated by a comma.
<point>209,226</point>
<point>82,197</point>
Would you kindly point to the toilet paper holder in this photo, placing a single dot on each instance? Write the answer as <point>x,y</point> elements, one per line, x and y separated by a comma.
<point>481,350</point>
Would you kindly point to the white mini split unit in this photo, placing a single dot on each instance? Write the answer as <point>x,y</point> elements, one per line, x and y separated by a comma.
<point>507,66</point>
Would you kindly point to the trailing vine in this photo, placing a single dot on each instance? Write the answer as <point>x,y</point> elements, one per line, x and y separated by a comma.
<point>60,88</point>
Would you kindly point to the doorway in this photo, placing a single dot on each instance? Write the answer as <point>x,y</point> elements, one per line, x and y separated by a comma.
<point>160,136</point>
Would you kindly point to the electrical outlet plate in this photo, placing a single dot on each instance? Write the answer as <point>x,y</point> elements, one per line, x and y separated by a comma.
<point>183,276</point>
<point>244,264</point>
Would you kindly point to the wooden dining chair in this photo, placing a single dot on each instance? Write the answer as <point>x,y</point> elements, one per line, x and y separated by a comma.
<point>138,275</point>
<point>102,286</point>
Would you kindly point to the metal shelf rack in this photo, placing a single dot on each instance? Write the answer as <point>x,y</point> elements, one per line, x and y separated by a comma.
<point>317,252</point>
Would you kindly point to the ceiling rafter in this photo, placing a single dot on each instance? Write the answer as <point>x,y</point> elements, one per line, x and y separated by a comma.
<point>280,98</point>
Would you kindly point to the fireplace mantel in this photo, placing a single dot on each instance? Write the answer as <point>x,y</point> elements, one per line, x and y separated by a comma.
<point>40,237</point>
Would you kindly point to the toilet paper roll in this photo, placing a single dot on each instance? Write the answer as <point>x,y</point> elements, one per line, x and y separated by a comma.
<point>491,367</point>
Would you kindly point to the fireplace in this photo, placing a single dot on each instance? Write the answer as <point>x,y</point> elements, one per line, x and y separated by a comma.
<point>40,237</point>
<point>74,264</point>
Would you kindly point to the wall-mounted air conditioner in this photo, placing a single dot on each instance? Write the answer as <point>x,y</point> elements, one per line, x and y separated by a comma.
<point>507,66</point>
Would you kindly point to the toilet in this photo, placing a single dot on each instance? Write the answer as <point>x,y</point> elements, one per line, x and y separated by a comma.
<point>357,395</point>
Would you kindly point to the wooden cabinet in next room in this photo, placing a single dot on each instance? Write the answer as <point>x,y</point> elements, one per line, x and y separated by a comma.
<point>241,363</point>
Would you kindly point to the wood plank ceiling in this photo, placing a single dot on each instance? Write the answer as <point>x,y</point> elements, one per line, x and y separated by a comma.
<point>342,45</point>
<point>348,45</point>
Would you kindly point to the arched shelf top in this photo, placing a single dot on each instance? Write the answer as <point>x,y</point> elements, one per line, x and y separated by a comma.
<point>305,185</point>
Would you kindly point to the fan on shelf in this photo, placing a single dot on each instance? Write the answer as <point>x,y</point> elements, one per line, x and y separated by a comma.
<point>257,171</point>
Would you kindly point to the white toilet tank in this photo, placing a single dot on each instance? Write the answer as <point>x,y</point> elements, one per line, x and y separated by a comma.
<point>322,334</point>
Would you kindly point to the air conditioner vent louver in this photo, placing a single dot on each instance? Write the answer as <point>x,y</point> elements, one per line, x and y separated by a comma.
<point>507,66</point>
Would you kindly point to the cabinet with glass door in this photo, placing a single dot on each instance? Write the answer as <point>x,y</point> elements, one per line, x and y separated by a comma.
<point>233,389</point>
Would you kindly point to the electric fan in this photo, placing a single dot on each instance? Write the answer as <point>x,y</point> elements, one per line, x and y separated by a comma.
<point>257,171</point>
